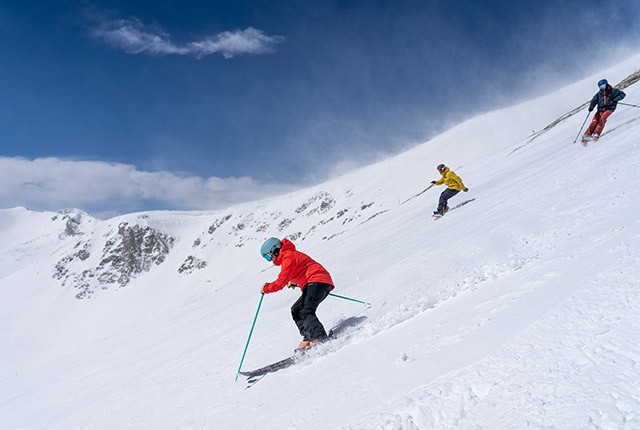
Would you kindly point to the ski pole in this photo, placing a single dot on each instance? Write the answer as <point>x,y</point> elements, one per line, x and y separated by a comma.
<point>348,298</point>
<point>292,285</point>
<point>627,104</point>
<point>416,195</point>
<point>585,121</point>
<point>250,333</point>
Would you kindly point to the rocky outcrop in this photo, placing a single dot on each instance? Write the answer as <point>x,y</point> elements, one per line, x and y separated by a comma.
<point>192,263</point>
<point>132,251</point>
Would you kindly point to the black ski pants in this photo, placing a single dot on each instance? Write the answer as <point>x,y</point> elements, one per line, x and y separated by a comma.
<point>444,198</point>
<point>303,310</point>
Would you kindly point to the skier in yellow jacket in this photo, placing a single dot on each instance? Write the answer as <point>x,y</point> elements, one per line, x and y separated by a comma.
<point>454,186</point>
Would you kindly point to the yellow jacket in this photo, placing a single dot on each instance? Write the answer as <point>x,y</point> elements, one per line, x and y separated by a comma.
<point>451,180</point>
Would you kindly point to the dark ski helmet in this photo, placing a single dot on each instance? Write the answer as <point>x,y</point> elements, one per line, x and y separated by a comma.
<point>271,248</point>
<point>602,84</point>
<point>441,168</point>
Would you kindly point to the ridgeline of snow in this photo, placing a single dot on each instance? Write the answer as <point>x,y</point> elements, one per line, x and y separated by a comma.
<point>518,309</point>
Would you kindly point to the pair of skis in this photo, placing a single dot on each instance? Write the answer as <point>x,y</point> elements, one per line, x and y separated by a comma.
<point>586,139</point>
<point>436,216</point>
<point>344,327</point>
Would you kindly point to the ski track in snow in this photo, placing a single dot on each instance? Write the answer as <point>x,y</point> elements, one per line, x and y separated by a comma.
<point>519,310</point>
<point>580,359</point>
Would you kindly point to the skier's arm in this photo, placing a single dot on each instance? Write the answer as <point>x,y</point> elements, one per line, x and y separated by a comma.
<point>283,278</point>
<point>594,102</point>
<point>619,96</point>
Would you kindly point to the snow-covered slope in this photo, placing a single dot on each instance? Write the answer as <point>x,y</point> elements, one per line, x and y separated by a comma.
<point>518,309</point>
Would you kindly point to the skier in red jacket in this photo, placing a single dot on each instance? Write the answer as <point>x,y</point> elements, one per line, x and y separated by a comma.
<point>298,269</point>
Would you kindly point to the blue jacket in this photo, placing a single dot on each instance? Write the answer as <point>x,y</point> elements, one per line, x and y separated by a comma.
<point>606,99</point>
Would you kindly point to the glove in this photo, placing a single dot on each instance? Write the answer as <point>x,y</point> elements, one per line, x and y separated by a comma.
<point>262,288</point>
<point>433,182</point>
<point>590,109</point>
<point>465,189</point>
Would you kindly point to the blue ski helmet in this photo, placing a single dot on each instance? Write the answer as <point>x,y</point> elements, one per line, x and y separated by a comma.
<point>441,168</point>
<point>270,248</point>
<point>602,84</point>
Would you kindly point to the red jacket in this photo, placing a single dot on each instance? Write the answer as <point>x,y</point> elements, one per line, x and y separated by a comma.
<point>297,268</point>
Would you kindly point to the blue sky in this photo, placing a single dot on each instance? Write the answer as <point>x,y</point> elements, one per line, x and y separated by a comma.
<point>118,106</point>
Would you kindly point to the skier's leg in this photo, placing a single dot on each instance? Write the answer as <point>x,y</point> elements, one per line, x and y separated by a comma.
<point>602,121</point>
<point>316,292</point>
<point>592,126</point>
<point>451,194</point>
<point>444,198</point>
<point>296,310</point>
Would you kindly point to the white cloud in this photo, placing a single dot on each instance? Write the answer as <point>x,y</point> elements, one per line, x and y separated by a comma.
<point>134,37</point>
<point>53,184</point>
<point>230,43</point>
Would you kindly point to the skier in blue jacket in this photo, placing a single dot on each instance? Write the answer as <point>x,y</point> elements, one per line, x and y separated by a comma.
<point>607,100</point>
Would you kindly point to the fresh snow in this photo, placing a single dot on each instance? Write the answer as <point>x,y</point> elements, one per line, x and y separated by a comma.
<point>519,309</point>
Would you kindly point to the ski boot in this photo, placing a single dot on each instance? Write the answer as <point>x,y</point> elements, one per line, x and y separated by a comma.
<point>306,344</point>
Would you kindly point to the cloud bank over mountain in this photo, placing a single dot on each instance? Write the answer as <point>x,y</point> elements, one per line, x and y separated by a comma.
<point>46,183</point>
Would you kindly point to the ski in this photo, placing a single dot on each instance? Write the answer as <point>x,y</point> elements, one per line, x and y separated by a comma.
<point>459,205</point>
<point>269,368</point>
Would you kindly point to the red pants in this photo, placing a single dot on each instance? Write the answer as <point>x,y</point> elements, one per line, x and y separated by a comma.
<point>598,122</point>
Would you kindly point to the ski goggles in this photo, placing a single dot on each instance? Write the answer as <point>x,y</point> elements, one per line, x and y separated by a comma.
<point>603,86</point>
<point>268,257</point>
